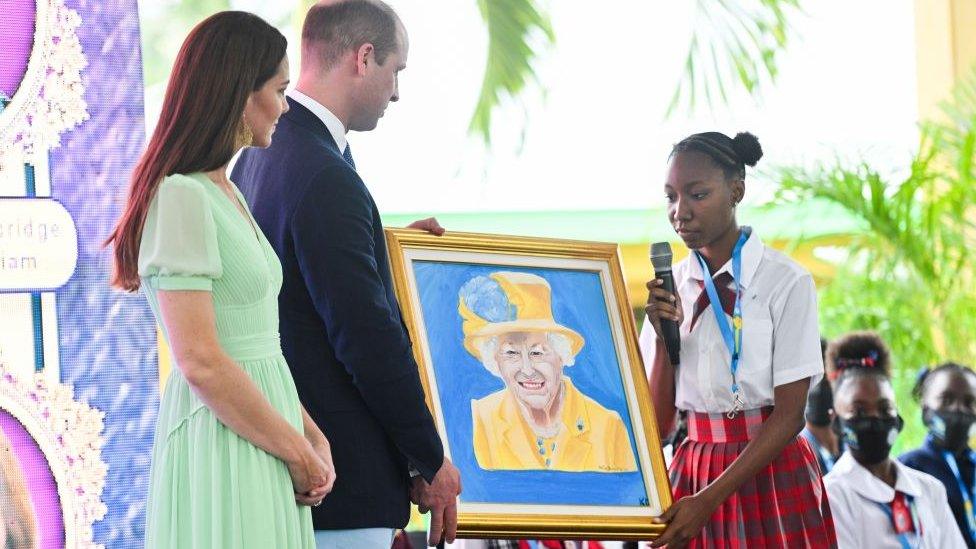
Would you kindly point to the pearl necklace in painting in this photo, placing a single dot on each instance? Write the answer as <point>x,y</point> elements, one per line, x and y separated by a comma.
<point>547,449</point>
<point>547,446</point>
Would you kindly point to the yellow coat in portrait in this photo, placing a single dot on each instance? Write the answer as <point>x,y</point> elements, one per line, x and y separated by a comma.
<point>592,439</point>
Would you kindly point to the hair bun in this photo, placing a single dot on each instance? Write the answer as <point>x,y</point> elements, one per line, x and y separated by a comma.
<point>747,147</point>
<point>870,360</point>
<point>862,350</point>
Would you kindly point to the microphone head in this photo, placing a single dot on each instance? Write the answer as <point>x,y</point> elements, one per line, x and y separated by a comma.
<point>661,256</point>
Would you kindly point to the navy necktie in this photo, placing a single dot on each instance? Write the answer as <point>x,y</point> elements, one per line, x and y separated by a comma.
<point>347,156</point>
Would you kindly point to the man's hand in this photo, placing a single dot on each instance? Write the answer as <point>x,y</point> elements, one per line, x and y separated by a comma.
<point>430,225</point>
<point>440,498</point>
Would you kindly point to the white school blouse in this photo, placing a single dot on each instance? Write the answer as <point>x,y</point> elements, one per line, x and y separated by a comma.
<point>780,335</point>
<point>854,494</point>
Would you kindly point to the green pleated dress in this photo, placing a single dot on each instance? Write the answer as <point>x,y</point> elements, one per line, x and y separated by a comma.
<point>210,488</point>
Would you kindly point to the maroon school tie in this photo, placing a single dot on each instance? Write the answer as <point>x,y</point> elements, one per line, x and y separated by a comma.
<point>725,294</point>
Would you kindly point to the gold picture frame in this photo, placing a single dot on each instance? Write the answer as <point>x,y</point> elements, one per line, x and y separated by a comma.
<point>573,495</point>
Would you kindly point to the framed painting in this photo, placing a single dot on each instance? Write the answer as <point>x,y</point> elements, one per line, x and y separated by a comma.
<point>527,350</point>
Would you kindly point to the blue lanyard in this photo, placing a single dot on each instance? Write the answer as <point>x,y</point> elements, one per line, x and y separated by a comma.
<point>967,500</point>
<point>731,334</point>
<point>902,538</point>
<point>825,455</point>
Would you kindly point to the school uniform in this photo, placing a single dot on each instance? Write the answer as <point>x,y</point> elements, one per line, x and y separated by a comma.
<point>930,458</point>
<point>785,504</point>
<point>825,459</point>
<point>865,509</point>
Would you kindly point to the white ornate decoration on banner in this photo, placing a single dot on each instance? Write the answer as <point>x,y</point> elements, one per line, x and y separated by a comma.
<point>50,99</point>
<point>68,432</point>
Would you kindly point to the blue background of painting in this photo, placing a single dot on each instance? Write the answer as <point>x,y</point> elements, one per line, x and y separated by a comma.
<point>461,378</point>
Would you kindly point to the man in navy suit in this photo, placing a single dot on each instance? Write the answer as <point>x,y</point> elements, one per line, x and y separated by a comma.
<point>341,330</point>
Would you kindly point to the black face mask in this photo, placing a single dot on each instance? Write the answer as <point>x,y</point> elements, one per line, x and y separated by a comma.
<point>869,438</point>
<point>820,402</point>
<point>950,429</point>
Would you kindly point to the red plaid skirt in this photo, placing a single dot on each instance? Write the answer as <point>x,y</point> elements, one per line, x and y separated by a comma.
<point>784,505</point>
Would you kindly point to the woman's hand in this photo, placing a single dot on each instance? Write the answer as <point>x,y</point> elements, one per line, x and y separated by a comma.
<point>324,450</point>
<point>685,520</point>
<point>662,305</point>
<point>312,477</point>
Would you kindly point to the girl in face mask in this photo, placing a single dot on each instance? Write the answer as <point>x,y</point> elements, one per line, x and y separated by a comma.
<point>877,502</point>
<point>948,397</point>
<point>819,415</point>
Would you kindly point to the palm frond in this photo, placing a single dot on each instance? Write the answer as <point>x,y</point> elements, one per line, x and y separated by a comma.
<point>734,44</point>
<point>955,134</point>
<point>910,273</point>
<point>517,29</point>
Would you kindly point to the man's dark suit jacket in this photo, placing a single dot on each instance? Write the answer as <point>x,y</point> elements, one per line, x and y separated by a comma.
<point>341,331</point>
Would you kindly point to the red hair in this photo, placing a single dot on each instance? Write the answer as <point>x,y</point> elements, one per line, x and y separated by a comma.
<point>223,60</point>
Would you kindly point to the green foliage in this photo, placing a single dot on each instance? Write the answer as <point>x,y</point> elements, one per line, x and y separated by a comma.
<point>909,275</point>
<point>735,43</point>
<point>165,24</point>
<point>164,30</point>
<point>515,28</point>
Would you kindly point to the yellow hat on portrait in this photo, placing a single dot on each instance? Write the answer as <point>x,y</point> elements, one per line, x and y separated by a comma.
<point>505,302</point>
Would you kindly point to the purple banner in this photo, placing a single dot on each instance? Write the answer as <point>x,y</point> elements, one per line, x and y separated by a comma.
<point>16,43</point>
<point>30,487</point>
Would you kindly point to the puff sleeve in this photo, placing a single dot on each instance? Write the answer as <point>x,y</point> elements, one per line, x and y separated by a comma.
<point>796,335</point>
<point>179,250</point>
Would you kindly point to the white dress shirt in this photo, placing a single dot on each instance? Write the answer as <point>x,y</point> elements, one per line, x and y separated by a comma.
<point>780,335</point>
<point>854,494</point>
<point>330,120</point>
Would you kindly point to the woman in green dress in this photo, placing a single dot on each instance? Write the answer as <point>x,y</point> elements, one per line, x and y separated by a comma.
<point>237,460</point>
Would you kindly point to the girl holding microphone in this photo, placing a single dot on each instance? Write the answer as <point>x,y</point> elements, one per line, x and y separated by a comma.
<point>750,349</point>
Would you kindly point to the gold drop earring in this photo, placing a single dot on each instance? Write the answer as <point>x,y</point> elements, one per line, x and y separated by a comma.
<point>245,137</point>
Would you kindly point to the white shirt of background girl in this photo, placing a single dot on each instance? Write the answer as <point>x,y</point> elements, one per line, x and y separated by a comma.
<point>854,494</point>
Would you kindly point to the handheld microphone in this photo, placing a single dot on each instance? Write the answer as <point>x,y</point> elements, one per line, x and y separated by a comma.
<point>661,260</point>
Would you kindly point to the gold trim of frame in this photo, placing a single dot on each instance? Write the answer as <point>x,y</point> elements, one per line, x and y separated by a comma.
<point>484,525</point>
